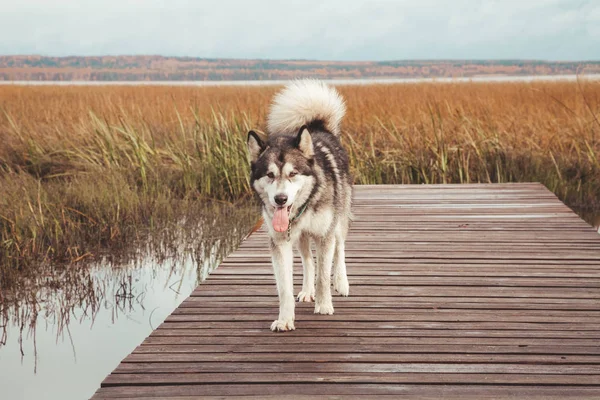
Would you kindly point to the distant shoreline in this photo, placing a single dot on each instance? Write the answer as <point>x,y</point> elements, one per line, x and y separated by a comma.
<point>137,69</point>
<point>359,81</point>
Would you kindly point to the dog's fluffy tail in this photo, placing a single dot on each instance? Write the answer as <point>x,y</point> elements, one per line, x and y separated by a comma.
<point>306,102</point>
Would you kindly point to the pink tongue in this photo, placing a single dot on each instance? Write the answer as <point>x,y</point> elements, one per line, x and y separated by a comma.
<point>281,219</point>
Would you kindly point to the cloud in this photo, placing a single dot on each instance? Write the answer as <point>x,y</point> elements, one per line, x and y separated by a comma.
<point>335,29</point>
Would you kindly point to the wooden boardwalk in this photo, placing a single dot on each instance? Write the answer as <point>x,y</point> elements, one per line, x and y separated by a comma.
<point>480,291</point>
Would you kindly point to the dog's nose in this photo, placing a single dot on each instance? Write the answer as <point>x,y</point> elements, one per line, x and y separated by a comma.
<point>281,199</point>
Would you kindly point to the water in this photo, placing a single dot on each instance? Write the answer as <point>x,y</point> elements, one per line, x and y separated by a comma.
<point>63,338</point>
<point>72,350</point>
<point>481,78</point>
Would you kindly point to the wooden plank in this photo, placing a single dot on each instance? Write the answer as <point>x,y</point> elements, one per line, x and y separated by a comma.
<point>422,395</point>
<point>576,309</point>
<point>477,391</point>
<point>415,313</point>
<point>343,323</point>
<point>391,315</point>
<point>381,375</point>
<point>558,264</point>
<point>374,272</point>
<point>171,358</point>
<point>241,331</point>
<point>372,349</point>
<point>457,291</point>
<point>430,291</point>
<point>395,280</point>
<point>278,340</point>
<point>436,302</point>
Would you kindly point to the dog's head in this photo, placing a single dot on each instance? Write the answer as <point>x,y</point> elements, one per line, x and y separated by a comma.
<point>282,173</point>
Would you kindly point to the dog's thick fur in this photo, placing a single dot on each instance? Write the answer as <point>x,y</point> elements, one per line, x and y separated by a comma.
<point>304,163</point>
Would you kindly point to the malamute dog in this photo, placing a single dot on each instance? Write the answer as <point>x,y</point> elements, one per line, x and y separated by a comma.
<point>300,172</point>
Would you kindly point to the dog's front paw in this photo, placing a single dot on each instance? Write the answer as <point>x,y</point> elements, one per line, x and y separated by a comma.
<point>324,308</point>
<point>282,326</point>
<point>341,286</point>
<point>306,296</point>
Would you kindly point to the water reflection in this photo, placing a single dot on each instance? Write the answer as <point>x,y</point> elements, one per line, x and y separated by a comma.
<point>71,329</point>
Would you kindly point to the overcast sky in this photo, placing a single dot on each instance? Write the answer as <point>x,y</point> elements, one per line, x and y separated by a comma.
<point>306,29</point>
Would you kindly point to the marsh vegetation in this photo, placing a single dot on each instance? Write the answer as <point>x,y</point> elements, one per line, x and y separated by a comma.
<point>89,172</point>
<point>90,169</point>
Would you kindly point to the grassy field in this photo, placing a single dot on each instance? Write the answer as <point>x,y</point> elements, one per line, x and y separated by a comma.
<point>85,169</point>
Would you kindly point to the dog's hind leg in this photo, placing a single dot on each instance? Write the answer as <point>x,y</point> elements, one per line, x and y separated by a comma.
<point>325,251</point>
<point>283,262</point>
<point>340,278</point>
<point>308,281</point>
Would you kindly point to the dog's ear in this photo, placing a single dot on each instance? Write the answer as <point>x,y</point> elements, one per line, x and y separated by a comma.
<point>304,142</point>
<point>255,146</point>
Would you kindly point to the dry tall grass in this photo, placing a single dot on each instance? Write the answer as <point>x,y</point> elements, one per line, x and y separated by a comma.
<point>88,166</point>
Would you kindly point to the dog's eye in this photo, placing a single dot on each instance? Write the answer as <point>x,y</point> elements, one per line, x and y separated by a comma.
<point>293,174</point>
<point>271,175</point>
